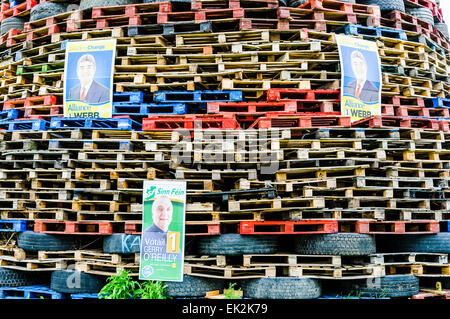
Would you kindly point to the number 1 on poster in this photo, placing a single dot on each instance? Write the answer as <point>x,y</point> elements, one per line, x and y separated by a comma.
<point>173,242</point>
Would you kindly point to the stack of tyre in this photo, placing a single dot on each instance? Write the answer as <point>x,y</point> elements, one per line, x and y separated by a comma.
<point>418,11</point>
<point>339,244</point>
<point>436,243</point>
<point>411,8</point>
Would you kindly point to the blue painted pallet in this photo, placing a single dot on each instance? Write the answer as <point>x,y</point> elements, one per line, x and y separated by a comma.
<point>429,43</point>
<point>84,296</point>
<point>130,97</point>
<point>13,3</point>
<point>198,96</point>
<point>437,102</point>
<point>94,123</point>
<point>24,125</point>
<point>11,114</point>
<point>13,225</point>
<point>146,109</point>
<point>29,292</point>
<point>356,29</point>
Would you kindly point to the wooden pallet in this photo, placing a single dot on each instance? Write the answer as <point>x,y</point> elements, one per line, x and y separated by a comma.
<point>347,272</point>
<point>99,256</point>
<point>31,265</point>
<point>106,269</point>
<point>228,272</point>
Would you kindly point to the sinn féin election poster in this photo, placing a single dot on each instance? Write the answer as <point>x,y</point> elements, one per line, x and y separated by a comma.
<point>88,78</point>
<point>361,77</point>
<point>162,242</point>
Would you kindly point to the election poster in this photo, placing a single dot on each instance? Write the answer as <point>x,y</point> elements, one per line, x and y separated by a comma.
<point>162,239</point>
<point>361,80</point>
<point>88,78</point>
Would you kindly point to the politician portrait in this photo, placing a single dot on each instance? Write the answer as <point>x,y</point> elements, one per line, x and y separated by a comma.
<point>360,86</point>
<point>88,89</point>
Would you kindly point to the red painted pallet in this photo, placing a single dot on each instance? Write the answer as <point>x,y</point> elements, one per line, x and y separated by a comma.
<point>387,110</point>
<point>60,19</point>
<point>288,227</point>
<point>45,100</point>
<point>192,229</point>
<point>203,15</point>
<point>287,24</point>
<point>407,22</point>
<point>232,4</point>
<point>397,121</point>
<point>175,122</point>
<point>403,101</point>
<point>42,100</point>
<point>248,120</point>
<point>301,121</point>
<point>331,5</point>
<point>304,15</point>
<point>12,104</point>
<point>251,107</point>
<point>444,125</point>
<point>422,111</point>
<point>8,37</point>
<point>20,9</point>
<point>46,112</point>
<point>273,95</point>
<point>78,227</point>
<point>142,19</point>
<point>131,10</point>
<point>391,227</point>
<point>46,31</point>
<point>4,6</point>
<point>424,3</point>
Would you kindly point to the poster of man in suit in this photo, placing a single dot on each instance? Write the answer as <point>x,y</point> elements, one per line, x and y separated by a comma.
<point>88,85</point>
<point>361,77</point>
<point>162,239</point>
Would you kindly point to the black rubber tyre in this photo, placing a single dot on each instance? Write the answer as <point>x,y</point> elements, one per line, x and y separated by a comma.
<point>17,278</point>
<point>343,244</point>
<point>72,282</point>
<point>443,27</point>
<point>296,3</point>
<point>12,23</point>
<point>385,5</point>
<point>282,288</point>
<point>236,244</point>
<point>388,286</point>
<point>436,243</point>
<point>88,4</point>
<point>122,244</point>
<point>192,286</point>
<point>422,13</point>
<point>32,241</point>
<point>47,9</point>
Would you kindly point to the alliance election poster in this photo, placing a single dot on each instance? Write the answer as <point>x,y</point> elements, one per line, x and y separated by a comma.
<point>88,78</point>
<point>361,77</point>
<point>162,242</point>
